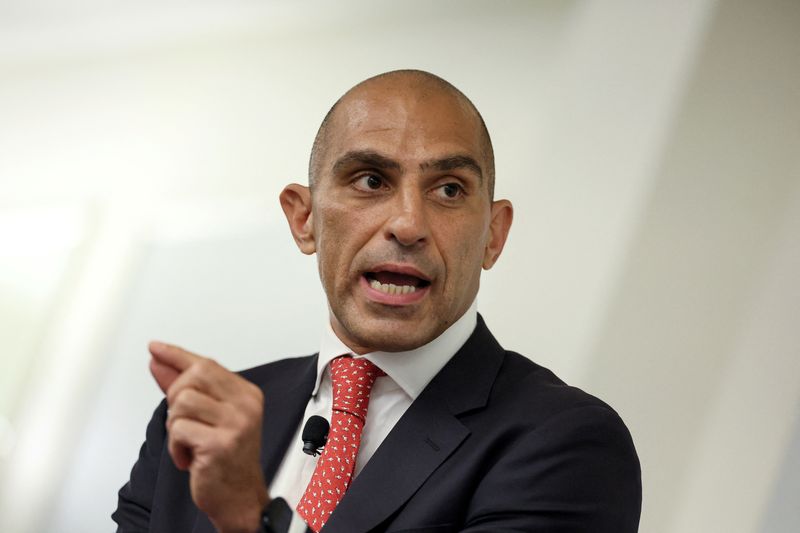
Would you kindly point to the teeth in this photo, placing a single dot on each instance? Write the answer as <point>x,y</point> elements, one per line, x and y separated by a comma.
<point>391,288</point>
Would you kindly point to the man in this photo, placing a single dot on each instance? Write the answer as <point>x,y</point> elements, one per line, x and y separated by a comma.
<point>460,435</point>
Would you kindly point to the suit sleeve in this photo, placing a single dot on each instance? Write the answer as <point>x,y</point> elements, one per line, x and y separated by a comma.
<point>577,472</point>
<point>136,496</point>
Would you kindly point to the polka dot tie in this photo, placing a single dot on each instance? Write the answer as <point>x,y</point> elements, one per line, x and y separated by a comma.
<point>352,382</point>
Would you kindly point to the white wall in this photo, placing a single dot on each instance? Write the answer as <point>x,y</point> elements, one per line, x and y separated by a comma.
<point>649,149</point>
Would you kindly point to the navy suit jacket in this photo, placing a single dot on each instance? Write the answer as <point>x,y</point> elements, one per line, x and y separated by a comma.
<point>495,443</point>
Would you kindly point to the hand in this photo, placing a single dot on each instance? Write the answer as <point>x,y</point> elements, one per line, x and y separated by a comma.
<point>214,430</point>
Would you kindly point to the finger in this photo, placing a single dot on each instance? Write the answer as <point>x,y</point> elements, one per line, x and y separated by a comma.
<point>164,375</point>
<point>181,455</point>
<point>195,405</point>
<point>173,356</point>
<point>185,437</point>
<point>209,377</point>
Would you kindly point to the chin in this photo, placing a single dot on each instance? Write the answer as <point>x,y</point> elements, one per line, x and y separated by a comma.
<point>393,335</point>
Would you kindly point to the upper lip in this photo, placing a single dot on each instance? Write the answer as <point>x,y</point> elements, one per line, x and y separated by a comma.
<point>400,269</point>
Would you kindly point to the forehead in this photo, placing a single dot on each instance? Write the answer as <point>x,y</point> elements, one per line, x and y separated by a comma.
<point>405,122</point>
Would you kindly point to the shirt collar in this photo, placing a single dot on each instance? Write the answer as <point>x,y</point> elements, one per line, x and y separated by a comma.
<point>411,370</point>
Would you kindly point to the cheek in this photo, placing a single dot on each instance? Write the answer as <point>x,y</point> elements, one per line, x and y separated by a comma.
<point>339,234</point>
<point>466,253</point>
<point>471,259</point>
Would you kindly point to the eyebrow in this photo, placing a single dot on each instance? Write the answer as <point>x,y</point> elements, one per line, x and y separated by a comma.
<point>375,160</point>
<point>366,158</point>
<point>453,163</point>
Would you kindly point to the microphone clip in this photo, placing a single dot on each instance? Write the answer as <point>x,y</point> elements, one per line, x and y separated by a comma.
<point>315,435</point>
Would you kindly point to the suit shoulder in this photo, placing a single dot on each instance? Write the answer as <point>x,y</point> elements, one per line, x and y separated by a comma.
<point>538,391</point>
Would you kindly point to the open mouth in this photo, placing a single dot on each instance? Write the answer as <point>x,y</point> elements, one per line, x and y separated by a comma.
<point>394,282</point>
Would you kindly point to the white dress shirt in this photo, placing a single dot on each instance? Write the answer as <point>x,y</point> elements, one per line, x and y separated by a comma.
<point>407,374</point>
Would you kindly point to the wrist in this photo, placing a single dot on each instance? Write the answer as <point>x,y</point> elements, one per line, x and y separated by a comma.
<point>249,518</point>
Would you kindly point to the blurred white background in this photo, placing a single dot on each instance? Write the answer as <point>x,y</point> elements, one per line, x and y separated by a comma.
<point>651,149</point>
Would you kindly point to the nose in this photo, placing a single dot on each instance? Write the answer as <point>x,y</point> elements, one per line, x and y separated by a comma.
<point>407,223</point>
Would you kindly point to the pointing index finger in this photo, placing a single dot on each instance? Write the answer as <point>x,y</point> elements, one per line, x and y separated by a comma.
<point>168,362</point>
<point>173,356</point>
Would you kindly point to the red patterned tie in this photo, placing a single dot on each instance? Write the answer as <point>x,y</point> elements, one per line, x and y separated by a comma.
<point>352,381</point>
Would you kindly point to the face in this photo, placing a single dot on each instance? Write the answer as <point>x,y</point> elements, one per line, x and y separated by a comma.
<point>400,216</point>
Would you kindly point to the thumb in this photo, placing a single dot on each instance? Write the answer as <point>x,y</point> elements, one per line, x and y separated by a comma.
<point>163,374</point>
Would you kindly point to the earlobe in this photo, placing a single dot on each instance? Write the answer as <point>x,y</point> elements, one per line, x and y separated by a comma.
<point>502,216</point>
<point>296,204</point>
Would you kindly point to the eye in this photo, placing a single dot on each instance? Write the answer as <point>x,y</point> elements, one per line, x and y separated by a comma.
<point>369,182</point>
<point>450,191</point>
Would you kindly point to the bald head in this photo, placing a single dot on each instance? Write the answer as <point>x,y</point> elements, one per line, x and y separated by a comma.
<point>406,83</point>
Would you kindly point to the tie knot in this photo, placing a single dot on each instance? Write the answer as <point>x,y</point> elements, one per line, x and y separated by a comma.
<point>352,382</point>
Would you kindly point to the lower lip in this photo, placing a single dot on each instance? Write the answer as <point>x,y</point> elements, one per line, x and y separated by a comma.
<point>394,299</point>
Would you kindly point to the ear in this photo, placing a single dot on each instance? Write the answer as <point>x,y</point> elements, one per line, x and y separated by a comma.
<point>502,215</point>
<point>296,203</point>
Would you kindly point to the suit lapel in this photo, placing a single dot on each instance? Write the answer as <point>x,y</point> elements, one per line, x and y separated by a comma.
<point>285,400</point>
<point>424,437</point>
